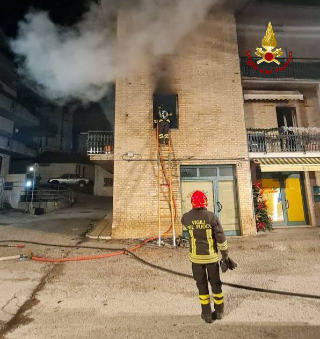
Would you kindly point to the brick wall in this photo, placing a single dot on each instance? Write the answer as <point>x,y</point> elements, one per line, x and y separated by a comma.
<point>205,74</point>
<point>262,114</point>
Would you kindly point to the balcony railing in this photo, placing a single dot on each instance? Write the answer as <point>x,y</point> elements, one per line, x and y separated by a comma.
<point>280,141</point>
<point>304,69</point>
<point>7,144</point>
<point>100,142</point>
<point>16,112</point>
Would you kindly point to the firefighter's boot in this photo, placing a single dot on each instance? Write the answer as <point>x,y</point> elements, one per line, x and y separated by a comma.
<point>161,139</point>
<point>206,313</point>
<point>218,312</point>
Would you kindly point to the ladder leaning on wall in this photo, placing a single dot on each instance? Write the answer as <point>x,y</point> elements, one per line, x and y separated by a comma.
<point>166,203</point>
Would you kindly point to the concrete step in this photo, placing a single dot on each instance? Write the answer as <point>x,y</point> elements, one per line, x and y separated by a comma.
<point>102,230</point>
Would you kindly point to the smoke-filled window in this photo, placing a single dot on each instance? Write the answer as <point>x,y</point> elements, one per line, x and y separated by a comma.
<point>169,102</point>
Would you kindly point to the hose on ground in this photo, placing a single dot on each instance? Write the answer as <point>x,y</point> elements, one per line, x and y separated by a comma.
<point>58,245</point>
<point>129,251</point>
<point>243,287</point>
<point>92,257</point>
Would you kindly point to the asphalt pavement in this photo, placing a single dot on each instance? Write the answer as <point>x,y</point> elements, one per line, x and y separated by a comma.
<point>120,297</point>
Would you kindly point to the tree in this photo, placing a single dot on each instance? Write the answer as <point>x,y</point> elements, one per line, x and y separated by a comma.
<point>263,221</point>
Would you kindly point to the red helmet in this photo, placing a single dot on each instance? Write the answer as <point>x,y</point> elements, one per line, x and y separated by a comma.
<point>199,200</point>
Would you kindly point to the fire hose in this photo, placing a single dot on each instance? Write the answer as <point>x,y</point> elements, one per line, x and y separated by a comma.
<point>120,251</point>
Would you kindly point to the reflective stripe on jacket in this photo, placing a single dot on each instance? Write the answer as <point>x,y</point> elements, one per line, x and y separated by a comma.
<point>206,236</point>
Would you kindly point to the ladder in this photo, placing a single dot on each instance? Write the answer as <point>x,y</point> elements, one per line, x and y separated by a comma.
<point>166,202</point>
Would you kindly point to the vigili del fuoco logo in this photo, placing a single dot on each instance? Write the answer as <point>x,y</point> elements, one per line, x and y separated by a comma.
<point>268,54</point>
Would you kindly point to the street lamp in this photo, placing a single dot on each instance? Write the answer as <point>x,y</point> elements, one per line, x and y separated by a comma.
<point>34,170</point>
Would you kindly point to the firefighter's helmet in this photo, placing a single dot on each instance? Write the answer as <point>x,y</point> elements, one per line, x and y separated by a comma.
<point>199,200</point>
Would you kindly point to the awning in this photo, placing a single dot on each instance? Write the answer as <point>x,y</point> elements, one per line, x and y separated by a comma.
<point>288,164</point>
<point>272,95</point>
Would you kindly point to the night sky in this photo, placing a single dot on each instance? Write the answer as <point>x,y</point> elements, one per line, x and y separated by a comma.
<point>67,12</point>
<point>64,12</point>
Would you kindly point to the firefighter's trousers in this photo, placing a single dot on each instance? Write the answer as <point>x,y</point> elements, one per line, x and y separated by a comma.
<point>203,274</point>
<point>163,130</point>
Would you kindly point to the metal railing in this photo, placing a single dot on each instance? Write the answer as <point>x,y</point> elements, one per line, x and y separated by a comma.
<point>44,194</point>
<point>308,69</point>
<point>100,142</point>
<point>277,141</point>
<point>51,195</point>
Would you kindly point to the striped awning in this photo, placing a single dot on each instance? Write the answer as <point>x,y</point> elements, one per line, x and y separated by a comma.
<point>288,164</point>
<point>272,95</point>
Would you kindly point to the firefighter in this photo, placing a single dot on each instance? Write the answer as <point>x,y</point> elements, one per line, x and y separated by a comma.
<point>163,122</point>
<point>206,236</point>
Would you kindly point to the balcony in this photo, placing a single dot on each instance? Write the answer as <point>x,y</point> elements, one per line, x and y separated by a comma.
<point>99,142</point>
<point>16,148</point>
<point>100,145</point>
<point>17,113</point>
<point>284,141</point>
<point>299,69</point>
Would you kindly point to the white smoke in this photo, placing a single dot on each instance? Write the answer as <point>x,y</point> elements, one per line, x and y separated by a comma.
<point>80,62</point>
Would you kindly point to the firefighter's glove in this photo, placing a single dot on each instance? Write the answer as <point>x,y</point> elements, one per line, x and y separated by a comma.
<point>227,264</point>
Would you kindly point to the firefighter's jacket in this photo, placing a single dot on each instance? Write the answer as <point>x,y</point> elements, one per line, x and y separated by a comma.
<point>163,115</point>
<point>206,236</point>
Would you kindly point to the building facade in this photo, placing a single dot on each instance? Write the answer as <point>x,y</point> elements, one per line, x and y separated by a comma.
<point>14,117</point>
<point>29,126</point>
<point>235,125</point>
<point>282,112</point>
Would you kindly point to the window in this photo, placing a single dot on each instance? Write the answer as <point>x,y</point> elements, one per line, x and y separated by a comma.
<point>208,172</point>
<point>225,172</point>
<point>108,182</point>
<point>286,116</point>
<point>8,186</point>
<point>188,172</point>
<point>0,164</point>
<point>64,176</point>
<point>170,104</point>
<point>316,193</point>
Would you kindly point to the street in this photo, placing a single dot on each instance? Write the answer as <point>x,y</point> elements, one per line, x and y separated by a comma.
<point>119,297</point>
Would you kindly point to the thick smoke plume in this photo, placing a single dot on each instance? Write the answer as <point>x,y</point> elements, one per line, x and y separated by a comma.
<point>80,62</point>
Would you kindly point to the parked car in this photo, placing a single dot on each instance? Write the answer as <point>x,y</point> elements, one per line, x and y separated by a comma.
<point>69,179</point>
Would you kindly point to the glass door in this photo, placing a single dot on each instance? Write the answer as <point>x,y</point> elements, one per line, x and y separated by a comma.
<point>285,199</point>
<point>273,195</point>
<point>227,205</point>
<point>294,202</point>
<point>219,184</point>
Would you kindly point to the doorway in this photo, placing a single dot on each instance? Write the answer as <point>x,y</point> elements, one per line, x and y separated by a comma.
<point>285,198</point>
<point>218,183</point>
<point>286,118</point>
